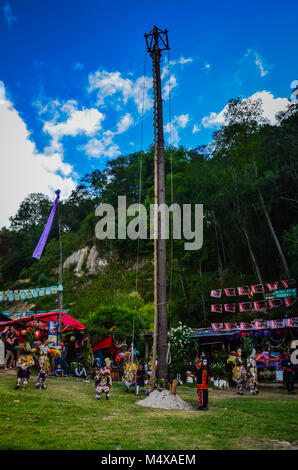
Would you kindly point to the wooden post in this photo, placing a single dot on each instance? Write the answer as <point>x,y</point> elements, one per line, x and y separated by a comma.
<point>174,385</point>
<point>157,40</point>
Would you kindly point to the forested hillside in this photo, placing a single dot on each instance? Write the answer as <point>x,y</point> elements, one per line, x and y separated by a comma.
<point>247,181</point>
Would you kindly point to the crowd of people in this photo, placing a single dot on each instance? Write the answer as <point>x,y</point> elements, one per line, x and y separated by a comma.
<point>50,359</point>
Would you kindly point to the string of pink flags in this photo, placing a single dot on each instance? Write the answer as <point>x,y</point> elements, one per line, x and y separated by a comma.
<point>286,296</point>
<point>255,325</point>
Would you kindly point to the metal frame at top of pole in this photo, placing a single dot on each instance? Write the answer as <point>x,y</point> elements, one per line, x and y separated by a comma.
<point>157,41</point>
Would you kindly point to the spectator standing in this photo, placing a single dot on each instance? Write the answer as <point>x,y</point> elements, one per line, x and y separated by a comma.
<point>10,343</point>
<point>289,372</point>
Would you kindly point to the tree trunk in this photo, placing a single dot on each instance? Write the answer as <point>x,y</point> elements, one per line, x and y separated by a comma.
<point>202,295</point>
<point>273,233</point>
<point>220,268</point>
<point>245,232</point>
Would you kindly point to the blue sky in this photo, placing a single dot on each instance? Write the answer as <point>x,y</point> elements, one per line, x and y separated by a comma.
<point>72,80</point>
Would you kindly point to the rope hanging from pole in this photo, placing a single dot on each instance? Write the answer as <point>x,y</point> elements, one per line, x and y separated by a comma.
<point>172,192</point>
<point>169,358</point>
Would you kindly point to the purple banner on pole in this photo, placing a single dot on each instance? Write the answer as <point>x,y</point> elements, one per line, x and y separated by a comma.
<point>43,239</point>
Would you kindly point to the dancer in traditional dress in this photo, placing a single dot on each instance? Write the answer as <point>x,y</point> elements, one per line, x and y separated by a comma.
<point>24,362</point>
<point>239,374</point>
<point>102,382</point>
<point>43,369</point>
<point>252,375</point>
<point>203,377</point>
<point>129,376</point>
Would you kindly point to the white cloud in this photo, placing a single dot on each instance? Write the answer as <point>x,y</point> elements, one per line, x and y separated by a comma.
<point>206,67</point>
<point>8,14</point>
<point>259,61</point>
<point>270,106</point>
<point>103,147</point>
<point>182,120</point>
<point>165,71</point>
<point>2,92</point>
<point>84,121</point>
<point>87,121</point>
<point>182,60</point>
<point>259,64</point>
<point>214,119</point>
<point>24,169</point>
<point>107,84</point>
<point>168,86</point>
<point>124,123</point>
<point>172,128</point>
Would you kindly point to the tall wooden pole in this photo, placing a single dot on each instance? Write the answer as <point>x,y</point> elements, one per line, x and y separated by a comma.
<point>60,280</point>
<point>157,40</point>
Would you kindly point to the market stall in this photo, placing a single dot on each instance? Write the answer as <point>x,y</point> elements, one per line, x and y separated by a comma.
<point>270,339</point>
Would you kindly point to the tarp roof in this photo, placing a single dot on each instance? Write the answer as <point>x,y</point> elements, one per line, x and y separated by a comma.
<point>67,321</point>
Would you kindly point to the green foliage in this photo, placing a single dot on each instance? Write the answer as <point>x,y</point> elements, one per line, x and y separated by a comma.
<point>182,347</point>
<point>247,347</point>
<point>123,321</point>
<point>247,161</point>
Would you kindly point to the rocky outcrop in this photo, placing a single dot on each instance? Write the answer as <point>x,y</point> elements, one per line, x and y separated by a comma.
<point>85,260</point>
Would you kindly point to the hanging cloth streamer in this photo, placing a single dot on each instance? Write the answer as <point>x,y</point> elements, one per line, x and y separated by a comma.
<point>43,239</point>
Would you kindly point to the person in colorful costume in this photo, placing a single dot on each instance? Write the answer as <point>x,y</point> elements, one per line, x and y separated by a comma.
<point>252,376</point>
<point>239,374</point>
<point>24,362</point>
<point>129,376</point>
<point>203,377</point>
<point>102,382</point>
<point>43,369</point>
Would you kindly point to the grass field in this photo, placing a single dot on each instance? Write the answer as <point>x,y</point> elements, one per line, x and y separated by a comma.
<point>67,416</point>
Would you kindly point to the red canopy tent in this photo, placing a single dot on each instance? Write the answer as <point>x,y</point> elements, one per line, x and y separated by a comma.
<point>68,322</point>
<point>106,343</point>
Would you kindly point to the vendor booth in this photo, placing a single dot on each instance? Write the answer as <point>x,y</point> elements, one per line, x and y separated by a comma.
<point>43,319</point>
<point>270,339</point>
